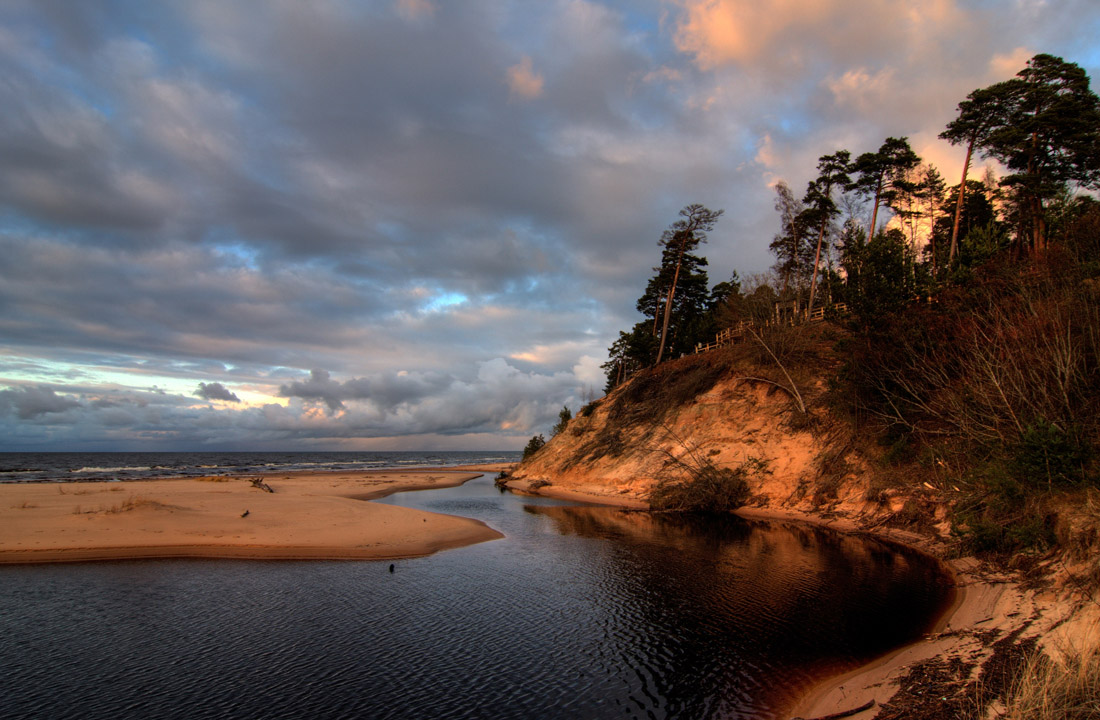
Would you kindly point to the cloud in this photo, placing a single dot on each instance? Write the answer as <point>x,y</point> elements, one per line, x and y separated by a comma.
<point>29,403</point>
<point>216,391</point>
<point>523,81</point>
<point>1005,66</point>
<point>499,396</point>
<point>415,9</point>
<point>861,90</point>
<point>241,192</point>
<point>385,392</point>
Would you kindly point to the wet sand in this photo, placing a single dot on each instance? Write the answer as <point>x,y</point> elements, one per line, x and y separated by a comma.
<point>308,516</point>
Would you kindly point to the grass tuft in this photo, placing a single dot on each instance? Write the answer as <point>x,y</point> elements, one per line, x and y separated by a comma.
<point>1064,689</point>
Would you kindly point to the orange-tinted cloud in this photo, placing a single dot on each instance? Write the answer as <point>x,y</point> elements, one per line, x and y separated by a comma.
<point>1005,66</point>
<point>524,81</point>
<point>718,32</point>
<point>415,9</point>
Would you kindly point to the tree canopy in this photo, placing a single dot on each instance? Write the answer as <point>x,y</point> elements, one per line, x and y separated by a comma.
<point>1044,126</point>
<point>681,238</point>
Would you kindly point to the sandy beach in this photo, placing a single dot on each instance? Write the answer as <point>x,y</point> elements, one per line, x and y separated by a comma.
<point>330,516</point>
<point>309,515</point>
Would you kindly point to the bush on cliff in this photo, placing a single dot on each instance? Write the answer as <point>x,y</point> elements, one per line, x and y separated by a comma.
<point>533,445</point>
<point>705,487</point>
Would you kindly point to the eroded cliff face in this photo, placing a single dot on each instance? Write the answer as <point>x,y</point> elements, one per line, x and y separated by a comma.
<point>620,449</point>
<point>818,470</point>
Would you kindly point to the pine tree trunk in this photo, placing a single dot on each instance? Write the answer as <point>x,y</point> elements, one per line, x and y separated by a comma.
<point>668,306</point>
<point>874,213</point>
<point>959,204</point>
<point>817,260</point>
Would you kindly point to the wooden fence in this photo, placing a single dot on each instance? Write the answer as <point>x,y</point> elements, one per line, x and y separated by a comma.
<point>736,333</point>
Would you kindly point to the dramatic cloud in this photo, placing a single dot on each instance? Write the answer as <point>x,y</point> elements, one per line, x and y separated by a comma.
<point>29,403</point>
<point>403,223</point>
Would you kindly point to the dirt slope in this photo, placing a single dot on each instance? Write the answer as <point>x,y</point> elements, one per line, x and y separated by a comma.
<point>616,450</point>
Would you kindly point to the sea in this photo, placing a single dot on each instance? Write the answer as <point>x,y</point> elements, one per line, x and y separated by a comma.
<point>21,467</point>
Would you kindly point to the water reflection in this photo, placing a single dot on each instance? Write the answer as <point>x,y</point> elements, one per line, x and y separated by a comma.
<point>579,612</point>
<point>760,608</point>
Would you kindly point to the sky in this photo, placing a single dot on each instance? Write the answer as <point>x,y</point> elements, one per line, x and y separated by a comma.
<point>416,224</point>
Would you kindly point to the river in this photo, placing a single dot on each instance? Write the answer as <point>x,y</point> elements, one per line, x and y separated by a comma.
<point>580,612</point>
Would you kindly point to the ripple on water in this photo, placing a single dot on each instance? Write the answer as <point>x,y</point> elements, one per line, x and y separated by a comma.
<point>579,612</point>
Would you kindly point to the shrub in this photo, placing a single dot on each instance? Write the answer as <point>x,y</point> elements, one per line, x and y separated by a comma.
<point>533,446</point>
<point>1047,453</point>
<point>1001,515</point>
<point>706,488</point>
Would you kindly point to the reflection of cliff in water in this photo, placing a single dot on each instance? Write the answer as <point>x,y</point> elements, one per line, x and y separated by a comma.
<point>793,592</point>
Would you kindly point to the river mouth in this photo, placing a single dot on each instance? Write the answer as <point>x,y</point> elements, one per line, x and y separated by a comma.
<point>578,612</point>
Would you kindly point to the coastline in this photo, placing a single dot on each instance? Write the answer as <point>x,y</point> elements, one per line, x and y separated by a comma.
<point>327,515</point>
<point>986,605</point>
<point>311,515</point>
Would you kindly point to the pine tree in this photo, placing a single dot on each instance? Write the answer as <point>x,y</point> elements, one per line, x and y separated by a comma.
<point>832,172</point>
<point>564,416</point>
<point>978,114</point>
<point>533,446</point>
<point>1047,131</point>
<point>881,175</point>
<point>682,237</point>
<point>930,191</point>
<point>792,253</point>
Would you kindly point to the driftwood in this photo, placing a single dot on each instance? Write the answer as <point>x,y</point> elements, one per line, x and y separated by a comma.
<point>847,713</point>
<point>259,483</point>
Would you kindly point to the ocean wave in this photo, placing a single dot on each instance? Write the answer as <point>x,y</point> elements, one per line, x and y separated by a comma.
<point>135,468</point>
<point>335,463</point>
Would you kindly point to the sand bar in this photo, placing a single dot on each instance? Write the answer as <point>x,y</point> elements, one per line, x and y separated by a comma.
<point>308,516</point>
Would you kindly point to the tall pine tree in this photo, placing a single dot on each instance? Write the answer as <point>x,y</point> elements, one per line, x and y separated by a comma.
<point>832,173</point>
<point>681,238</point>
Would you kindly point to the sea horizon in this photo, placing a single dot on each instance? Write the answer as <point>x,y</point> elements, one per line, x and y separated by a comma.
<point>91,466</point>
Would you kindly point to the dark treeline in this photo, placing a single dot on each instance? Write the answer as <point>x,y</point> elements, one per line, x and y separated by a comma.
<point>971,342</point>
<point>833,245</point>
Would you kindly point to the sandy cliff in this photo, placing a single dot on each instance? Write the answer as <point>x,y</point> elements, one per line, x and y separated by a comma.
<point>813,466</point>
<point>817,470</point>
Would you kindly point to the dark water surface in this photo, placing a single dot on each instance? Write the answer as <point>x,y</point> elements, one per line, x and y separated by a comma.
<point>579,612</point>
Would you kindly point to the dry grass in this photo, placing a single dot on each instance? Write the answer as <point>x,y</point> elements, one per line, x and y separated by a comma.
<point>1077,531</point>
<point>130,503</point>
<point>1066,689</point>
<point>1079,527</point>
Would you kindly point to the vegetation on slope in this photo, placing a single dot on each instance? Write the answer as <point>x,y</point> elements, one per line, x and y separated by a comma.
<point>963,379</point>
